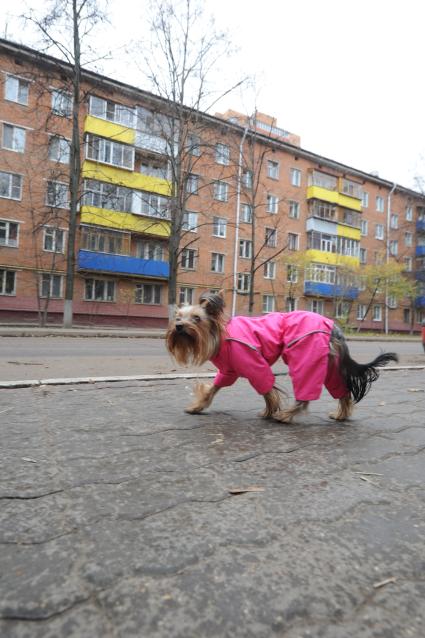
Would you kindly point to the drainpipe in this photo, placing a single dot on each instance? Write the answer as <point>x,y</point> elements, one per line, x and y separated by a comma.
<point>387,253</point>
<point>238,214</point>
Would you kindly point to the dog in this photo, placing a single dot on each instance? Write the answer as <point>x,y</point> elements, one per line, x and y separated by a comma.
<point>311,345</point>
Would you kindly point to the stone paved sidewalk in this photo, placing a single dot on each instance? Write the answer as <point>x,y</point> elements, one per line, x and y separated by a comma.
<point>122,517</point>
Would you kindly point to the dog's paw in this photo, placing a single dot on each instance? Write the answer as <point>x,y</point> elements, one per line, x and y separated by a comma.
<point>193,409</point>
<point>283,417</point>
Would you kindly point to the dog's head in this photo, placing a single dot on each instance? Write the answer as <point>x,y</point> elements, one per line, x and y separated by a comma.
<point>194,335</point>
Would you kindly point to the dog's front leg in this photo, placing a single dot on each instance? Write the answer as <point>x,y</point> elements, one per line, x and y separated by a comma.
<point>286,416</point>
<point>204,394</point>
<point>273,405</point>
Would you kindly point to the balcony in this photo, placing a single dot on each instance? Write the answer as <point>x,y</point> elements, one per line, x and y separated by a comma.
<point>420,251</point>
<point>420,302</point>
<point>122,264</point>
<point>420,275</point>
<point>320,289</point>
<point>420,225</point>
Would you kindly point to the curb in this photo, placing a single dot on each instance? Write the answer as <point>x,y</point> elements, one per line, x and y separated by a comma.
<point>30,383</point>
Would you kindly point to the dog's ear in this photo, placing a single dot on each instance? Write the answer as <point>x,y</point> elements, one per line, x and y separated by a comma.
<point>213,303</point>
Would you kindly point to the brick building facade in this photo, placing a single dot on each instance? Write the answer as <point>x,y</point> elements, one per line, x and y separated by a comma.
<point>259,209</point>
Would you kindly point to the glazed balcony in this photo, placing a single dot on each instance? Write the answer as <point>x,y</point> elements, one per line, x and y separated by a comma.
<point>321,289</point>
<point>122,265</point>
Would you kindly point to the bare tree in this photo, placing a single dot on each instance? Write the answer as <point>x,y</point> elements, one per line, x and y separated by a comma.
<point>180,65</point>
<point>64,27</point>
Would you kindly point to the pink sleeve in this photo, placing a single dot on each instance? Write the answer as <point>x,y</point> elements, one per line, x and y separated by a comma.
<point>222,380</point>
<point>251,365</point>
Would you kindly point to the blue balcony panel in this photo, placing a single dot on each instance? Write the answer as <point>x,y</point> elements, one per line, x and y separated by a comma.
<point>420,225</point>
<point>420,275</point>
<point>122,264</point>
<point>420,302</point>
<point>330,290</point>
<point>420,251</point>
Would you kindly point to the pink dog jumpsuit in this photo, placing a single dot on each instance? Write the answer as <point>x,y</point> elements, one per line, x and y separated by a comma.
<point>252,344</point>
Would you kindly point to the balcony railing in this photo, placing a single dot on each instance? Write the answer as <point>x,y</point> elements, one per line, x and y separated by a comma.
<point>420,225</point>
<point>122,264</point>
<point>319,289</point>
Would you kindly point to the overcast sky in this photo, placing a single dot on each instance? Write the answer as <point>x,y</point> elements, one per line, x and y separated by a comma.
<point>346,76</point>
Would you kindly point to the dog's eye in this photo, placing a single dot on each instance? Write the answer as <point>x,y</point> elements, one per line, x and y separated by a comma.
<point>196,318</point>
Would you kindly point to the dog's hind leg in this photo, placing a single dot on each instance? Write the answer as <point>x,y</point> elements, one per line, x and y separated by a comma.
<point>204,394</point>
<point>273,405</point>
<point>286,416</point>
<point>345,409</point>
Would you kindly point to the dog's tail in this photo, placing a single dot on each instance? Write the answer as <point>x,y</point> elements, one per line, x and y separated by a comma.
<point>359,377</point>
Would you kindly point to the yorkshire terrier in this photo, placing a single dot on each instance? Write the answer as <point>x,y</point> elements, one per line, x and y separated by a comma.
<point>311,345</point>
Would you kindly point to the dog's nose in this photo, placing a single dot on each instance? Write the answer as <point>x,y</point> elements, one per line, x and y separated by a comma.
<point>179,327</point>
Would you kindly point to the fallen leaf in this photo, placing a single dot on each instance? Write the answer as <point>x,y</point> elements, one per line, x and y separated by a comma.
<point>387,581</point>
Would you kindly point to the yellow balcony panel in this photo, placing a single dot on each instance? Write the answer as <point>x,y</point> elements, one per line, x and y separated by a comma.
<point>348,231</point>
<point>317,192</point>
<point>124,221</point>
<point>115,132</point>
<point>334,259</point>
<point>121,177</point>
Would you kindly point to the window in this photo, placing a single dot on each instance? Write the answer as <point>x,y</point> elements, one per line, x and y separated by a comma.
<point>188,259</point>
<point>57,195</point>
<point>317,305</point>
<point>365,199</point>
<point>246,213</point>
<point>51,286</point>
<point>53,240</point>
<point>353,189</point>
<point>408,239</point>
<point>409,214</point>
<point>380,205</point>
<point>59,149</point>
<point>219,226</point>
<point>244,279</point>
<point>190,222</point>
<point>10,185</point>
<point>294,210</point>
<point>269,303</point>
<point>270,270</point>
<point>103,195</point>
<point>147,294</point>
<point>217,262</point>
<point>7,282</point>
<point>363,255</point>
<point>317,178</point>
<point>379,231</point>
<point>377,313</point>
<point>392,301</point>
<point>291,304</point>
<point>221,191</point>
<point>13,138</point>
<point>394,247</point>
<point>346,246</point>
<point>9,233</point>
<point>408,264</point>
<point>194,144</point>
<point>16,89</point>
<point>154,169</point>
<point>99,290</point>
<point>406,315</point>
<point>321,273</point>
<point>291,274</point>
<point>272,204</point>
<point>293,241</point>
<point>192,183</point>
<point>342,310</point>
<point>149,249</point>
<point>153,205</point>
<point>271,237</point>
<point>61,103</point>
<point>107,110</point>
<point>222,154</point>
<point>394,221</point>
<point>272,169</point>
<point>186,295</point>
<point>102,240</point>
<point>363,227</point>
<point>247,179</point>
<point>295,177</point>
<point>245,248</point>
<point>324,210</point>
<point>361,311</point>
<point>106,151</point>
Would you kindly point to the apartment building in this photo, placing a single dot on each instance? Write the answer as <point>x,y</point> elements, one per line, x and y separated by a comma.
<point>274,225</point>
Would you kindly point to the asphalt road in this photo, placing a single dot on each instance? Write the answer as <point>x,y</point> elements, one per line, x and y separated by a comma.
<point>23,358</point>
